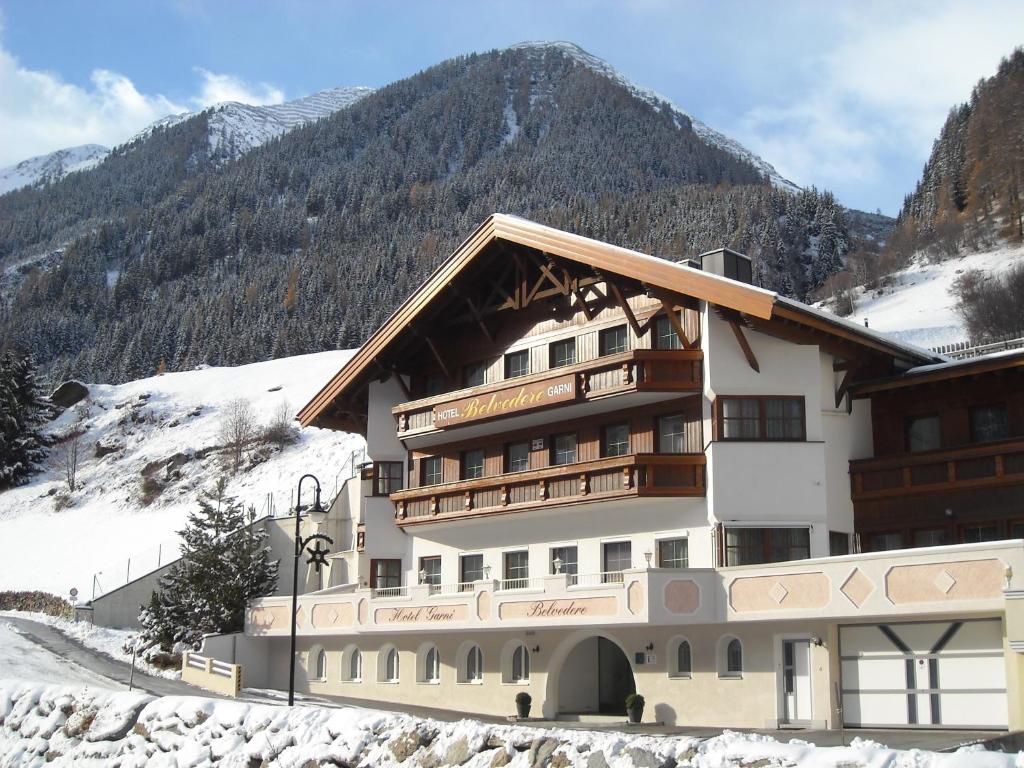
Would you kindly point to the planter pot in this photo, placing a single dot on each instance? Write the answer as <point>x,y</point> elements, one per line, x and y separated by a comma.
<point>636,714</point>
<point>523,710</point>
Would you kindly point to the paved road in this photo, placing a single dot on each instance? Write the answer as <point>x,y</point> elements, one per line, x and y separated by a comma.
<point>56,642</point>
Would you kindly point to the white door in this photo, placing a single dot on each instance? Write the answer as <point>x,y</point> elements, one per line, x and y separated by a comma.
<point>948,674</point>
<point>796,681</point>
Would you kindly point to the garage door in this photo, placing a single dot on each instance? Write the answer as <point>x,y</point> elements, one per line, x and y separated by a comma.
<point>947,674</point>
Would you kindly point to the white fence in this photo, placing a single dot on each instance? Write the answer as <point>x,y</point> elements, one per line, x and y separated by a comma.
<point>967,349</point>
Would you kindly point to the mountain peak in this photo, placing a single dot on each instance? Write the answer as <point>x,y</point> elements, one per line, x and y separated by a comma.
<point>657,101</point>
<point>44,169</point>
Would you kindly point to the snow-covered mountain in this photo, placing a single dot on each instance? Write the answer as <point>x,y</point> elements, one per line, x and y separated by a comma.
<point>146,449</point>
<point>46,169</point>
<point>236,128</point>
<point>656,100</point>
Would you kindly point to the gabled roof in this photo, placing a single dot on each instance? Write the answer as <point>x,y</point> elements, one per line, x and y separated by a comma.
<point>945,371</point>
<point>748,300</point>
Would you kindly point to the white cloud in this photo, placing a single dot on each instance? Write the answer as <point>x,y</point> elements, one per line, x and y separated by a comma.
<point>217,88</point>
<point>883,89</point>
<point>40,112</point>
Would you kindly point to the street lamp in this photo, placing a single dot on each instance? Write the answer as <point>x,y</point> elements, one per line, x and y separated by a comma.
<point>317,558</point>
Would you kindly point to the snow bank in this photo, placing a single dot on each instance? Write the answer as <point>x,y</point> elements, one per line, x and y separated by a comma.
<point>75,726</point>
<point>143,424</point>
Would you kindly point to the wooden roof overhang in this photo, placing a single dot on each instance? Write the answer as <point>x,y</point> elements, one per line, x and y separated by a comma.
<point>510,263</point>
<point>943,372</point>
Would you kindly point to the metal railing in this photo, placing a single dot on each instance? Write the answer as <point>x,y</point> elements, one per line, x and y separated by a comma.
<point>385,592</point>
<point>599,579</point>
<point>962,350</point>
<point>521,584</point>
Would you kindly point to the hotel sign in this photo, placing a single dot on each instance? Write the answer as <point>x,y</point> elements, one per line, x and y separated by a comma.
<point>506,402</point>
<point>559,609</point>
<point>441,614</point>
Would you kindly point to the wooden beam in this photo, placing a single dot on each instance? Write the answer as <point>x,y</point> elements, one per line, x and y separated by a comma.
<point>673,318</point>
<point>626,309</point>
<point>437,356</point>
<point>744,345</point>
<point>844,385</point>
<point>583,304</point>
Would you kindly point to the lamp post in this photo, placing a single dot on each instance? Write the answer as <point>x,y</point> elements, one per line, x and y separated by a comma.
<point>316,558</point>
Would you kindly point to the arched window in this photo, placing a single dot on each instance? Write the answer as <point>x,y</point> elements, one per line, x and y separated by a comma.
<point>321,664</point>
<point>474,665</point>
<point>734,657</point>
<point>521,664</point>
<point>684,659</point>
<point>352,667</point>
<point>387,671</point>
<point>431,672</point>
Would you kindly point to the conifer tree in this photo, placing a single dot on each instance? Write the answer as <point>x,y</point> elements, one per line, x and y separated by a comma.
<point>225,562</point>
<point>23,411</point>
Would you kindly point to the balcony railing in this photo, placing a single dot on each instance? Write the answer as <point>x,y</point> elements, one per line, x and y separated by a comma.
<point>641,474</point>
<point>977,466</point>
<point>638,370</point>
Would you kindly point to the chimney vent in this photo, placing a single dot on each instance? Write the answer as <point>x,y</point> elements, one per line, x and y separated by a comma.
<point>728,263</point>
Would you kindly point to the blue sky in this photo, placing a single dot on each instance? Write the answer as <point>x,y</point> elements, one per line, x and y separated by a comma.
<point>846,96</point>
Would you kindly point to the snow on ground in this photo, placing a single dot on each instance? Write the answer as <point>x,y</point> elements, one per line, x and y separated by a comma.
<point>67,725</point>
<point>46,169</point>
<point>151,420</point>
<point>110,642</point>
<point>22,659</point>
<point>917,304</point>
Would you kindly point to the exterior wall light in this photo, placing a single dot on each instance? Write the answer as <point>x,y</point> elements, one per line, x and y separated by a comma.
<point>557,562</point>
<point>648,555</point>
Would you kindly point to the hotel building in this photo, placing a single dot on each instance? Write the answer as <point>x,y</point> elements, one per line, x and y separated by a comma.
<point>594,472</point>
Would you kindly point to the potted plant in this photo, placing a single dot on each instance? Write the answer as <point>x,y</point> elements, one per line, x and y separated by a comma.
<point>523,701</point>
<point>635,707</point>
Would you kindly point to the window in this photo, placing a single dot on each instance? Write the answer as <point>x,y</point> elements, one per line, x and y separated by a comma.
<point>387,477</point>
<point>611,341</point>
<point>320,658</point>
<point>973,534</point>
<point>433,384</point>
<point>475,374</point>
<point>385,574</point>
<point>431,672</point>
<point>1017,530</point>
<point>520,664</point>
<point>883,542</point>
<point>615,440</point>
<point>671,434</point>
<point>565,560</point>
<point>354,668</point>
<point>517,363</point>
<point>683,660</point>
<point>931,537</point>
<point>673,553</point>
<point>761,418</point>
<point>665,336</point>
<point>618,557</point>
<point>733,666</point>
<point>430,572</point>
<point>838,543</point>
<point>924,433</point>
<point>472,464</point>
<point>389,671</point>
<point>430,470</point>
<point>750,546</point>
<point>562,353</point>
<point>471,568</point>
<point>563,449</point>
<point>474,666</point>
<point>517,570</point>
<point>517,457</point>
<point>989,422</point>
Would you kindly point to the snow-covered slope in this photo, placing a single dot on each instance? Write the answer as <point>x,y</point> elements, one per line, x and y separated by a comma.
<point>45,169</point>
<point>236,128</point>
<point>151,420</point>
<point>655,99</point>
<point>917,305</point>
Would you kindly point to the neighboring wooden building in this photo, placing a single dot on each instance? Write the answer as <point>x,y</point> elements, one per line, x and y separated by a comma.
<point>595,471</point>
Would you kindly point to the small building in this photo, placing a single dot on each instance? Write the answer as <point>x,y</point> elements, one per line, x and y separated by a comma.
<point>595,472</point>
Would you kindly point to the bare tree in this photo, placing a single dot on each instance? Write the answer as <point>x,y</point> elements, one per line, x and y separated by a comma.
<point>281,430</point>
<point>237,430</point>
<point>70,452</point>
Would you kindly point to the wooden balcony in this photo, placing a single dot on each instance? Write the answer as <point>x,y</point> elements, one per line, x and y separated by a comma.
<point>635,371</point>
<point>978,466</point>
<point>618,477</point>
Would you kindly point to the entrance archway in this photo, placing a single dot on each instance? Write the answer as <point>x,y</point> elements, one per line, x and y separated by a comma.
<point>594,676</point>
